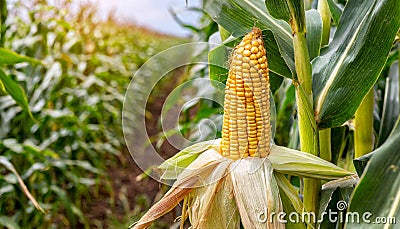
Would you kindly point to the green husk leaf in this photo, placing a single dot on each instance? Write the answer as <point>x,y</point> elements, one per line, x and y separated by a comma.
<point>290,191</point>
<point>290,200</point>
<point>175,165</point>
<point>293,162</point>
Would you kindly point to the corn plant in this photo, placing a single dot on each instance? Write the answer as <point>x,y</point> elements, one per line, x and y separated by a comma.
<point>61,101</point>
<point>243,161</point>
<point>329,82</point>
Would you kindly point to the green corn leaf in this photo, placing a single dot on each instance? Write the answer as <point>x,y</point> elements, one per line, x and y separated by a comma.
<point>218,59</point>
<point>285,114</point>
<point>339,139</point>
<point>10,57</point>
<point>390,110</point>
<point>336,11</point>
<point>16,92</point>
<point>297,15</point>
<point>332,194</point>
<point>68,205</point>
<point>224,34</point>
<point>314,33</point>
<point>239,16</point>
<point>378,190</point>
<point>362,162</point>
<point>350,65</point>
<point>278,9</point>
<point>8,222</point>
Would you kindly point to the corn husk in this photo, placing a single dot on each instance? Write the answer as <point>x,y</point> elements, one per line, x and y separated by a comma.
<point>249,188</point>
<point>294,162</point>
<point>214,206</point>
<point>220,192</point>
<point>174,166</point>
<point>190,178</point>
<point>256,193</point>
<point>224,200</point>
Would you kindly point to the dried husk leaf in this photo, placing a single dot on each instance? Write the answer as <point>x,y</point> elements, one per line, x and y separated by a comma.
<point>224,208</point>
<point>6,163</point>
<point>214,206</point>
<point>166,204</point>
<point>208,161</point>
<point>175,165</point>
<point>345,182</point>
<point>256,193</point>
<point>218,189</point>
<point>189,179</point>
<point>294,162</point>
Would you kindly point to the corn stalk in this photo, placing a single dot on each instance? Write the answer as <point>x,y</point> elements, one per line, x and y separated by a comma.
<point>3,18</point>
<point>304,97</point>
<point>364,120</point>
<point>325,135</point>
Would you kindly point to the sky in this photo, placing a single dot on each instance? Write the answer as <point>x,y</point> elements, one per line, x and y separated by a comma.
<point>153,14</point>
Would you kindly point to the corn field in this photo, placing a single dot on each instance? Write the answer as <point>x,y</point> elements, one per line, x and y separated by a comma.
<point>64,75</point>
<point>274,114</point>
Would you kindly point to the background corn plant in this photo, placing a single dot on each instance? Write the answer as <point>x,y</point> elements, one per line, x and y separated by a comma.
<point>61,108</point>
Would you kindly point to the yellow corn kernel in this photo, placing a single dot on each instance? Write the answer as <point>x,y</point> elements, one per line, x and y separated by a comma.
<point>246,127</point>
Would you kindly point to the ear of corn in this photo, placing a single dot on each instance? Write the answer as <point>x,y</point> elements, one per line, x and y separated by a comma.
<point>246,124</point>
<point>221,193</point>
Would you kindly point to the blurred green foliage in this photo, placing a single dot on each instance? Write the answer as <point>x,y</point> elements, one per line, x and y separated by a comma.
<point>75,97</point>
